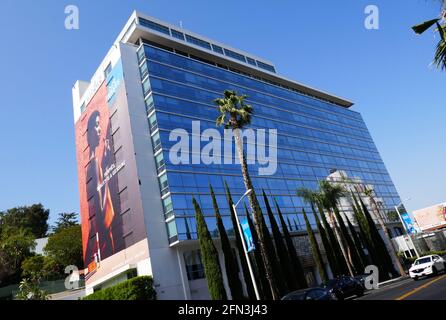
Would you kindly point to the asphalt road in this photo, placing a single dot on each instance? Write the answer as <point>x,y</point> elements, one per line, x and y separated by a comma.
<point>431,288</point>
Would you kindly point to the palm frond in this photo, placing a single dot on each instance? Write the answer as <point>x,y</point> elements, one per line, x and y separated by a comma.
<point>422,27</point>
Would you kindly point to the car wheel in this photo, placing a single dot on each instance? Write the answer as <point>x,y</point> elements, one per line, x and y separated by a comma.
<point>415,278</point>
<point>434,271</point>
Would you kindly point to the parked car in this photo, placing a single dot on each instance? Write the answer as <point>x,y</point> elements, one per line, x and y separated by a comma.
<point>361,279</point>
<point>426,266</point>
<point>344,287</point>
<point>310,294</point>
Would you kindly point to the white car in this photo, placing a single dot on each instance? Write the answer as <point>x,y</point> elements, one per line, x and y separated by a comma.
<point>428,265</point>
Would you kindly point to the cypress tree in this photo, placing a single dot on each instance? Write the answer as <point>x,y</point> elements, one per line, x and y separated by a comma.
<point>354,256</point>
<point>209,256</point>
<point>262,281</point>
<point>298,270</point>
<point>238,241</point>
<point>234,283</point>
<point>327,246</point>
<point>364,230</point>
<point>290,282</point>
<point>341,264</point>
<point>378,242</point>
<point>271,252</point>
<point>358,243</point>
<point>315,249</point>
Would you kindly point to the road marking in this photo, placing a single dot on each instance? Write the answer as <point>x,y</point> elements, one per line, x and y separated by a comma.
<point>424,286</point>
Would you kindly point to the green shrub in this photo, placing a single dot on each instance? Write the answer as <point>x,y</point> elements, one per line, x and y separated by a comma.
<point>139,288</point>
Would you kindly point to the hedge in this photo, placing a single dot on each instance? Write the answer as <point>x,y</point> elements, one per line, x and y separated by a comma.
<point>139,288</point>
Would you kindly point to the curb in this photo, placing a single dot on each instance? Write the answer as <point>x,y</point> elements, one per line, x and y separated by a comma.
<point>386,283</point>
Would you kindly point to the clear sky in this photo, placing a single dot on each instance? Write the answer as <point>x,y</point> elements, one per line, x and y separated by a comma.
<point>321,43</point>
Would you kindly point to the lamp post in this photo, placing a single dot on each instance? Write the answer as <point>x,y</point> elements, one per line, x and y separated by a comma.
<point>248,261</point>
<point>405,228</point>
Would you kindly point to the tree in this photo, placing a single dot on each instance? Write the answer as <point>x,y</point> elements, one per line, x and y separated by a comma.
<point>65,247</point>
<point>34,218</point>
<point>296,264</point>
<point>312,198</point>
<point>330,195</point>
<point>315,249</point>
<point>370,193</point>
<point>235,114</point>
<point>15,246</point>
<point>234,283</point>
<point>358,243</point>
<point>290,283</point>
<point>65,220</point>
<point>238,242</point>
<point>209,256</point>
<point>378,241</point>
<point>29,289</point>
<point>42,267</point>
<point>262,281</point>
<point>440,54</point>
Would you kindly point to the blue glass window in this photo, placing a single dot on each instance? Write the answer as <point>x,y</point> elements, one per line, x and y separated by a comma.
<point>198,42</point>
<point>177,34</point>
<point>154,26</point>
<point>235,55</point>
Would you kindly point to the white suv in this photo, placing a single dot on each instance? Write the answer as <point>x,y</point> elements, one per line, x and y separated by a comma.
<point>428,265</point>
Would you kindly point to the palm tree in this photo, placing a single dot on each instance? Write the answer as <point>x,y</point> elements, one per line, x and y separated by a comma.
<point>370,193</point>
<point>331,193</point>
<point>235,114</point>
<point>440,54</point>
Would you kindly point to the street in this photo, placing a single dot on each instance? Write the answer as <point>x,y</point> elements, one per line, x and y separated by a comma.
<point>431,288</point>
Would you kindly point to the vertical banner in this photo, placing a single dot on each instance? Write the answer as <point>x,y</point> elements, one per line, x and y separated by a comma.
<point>248,236</point>
<point>408,223</point>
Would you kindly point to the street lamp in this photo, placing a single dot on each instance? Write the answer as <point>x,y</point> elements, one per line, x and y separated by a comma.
<point>245,249</point>
<point>405,228</point>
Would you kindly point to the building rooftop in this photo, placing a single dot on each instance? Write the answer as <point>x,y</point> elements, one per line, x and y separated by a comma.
<point>151,30</point>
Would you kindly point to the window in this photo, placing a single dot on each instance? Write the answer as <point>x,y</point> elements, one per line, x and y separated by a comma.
<point>146,86</point>
<point>177,34</point>
<point>153,123</point>
<point>251,61</point>
<point>164,185</point>
<point>217,49</point>
<point>266,66</point>
<point>108,70</point>
<point>172,231</point>
<point>198,42</point>
<point>156,139</point>
<point>194,266</point>
<point>154,26</point>
<point>235,55</point>
<point>167,204</point>
<point>160,163</point>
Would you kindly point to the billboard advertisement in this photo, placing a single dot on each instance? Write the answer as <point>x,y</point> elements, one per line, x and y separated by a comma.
<point>431,218</point>
<point>107,216</point>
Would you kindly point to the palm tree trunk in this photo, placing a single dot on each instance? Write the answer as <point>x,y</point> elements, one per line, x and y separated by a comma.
<point>255,207</point>
<point>341,242</point>
<point>388,240</point>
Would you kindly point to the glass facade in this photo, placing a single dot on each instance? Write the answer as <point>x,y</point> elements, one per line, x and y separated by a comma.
<point>314,137</point>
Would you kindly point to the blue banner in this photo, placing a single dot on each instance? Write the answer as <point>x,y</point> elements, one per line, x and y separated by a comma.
<point>248,236</point>
<point>410,227</point>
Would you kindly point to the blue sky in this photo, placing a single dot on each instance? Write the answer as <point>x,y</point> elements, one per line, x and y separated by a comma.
<point>321,43</point>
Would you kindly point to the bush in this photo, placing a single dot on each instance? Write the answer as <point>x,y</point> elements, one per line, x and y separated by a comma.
<point>139,288</point>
